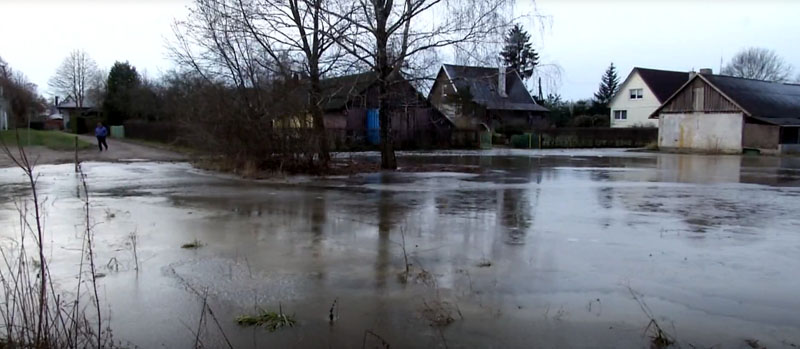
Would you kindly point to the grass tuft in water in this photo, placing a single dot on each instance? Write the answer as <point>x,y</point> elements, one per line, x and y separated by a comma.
<point>269,319</point>
<point>193,244</point>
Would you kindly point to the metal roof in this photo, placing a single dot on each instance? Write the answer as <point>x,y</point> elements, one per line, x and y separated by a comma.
<point>774,101</point>
<point>771,102</point>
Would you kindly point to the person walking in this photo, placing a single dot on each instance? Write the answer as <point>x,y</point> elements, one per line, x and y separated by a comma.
<point>101,132</point>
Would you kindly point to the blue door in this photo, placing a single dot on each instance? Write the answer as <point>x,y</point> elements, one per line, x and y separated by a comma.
<point>373,127</point>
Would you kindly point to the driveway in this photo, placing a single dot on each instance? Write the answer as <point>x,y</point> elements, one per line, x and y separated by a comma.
<point>118,150</point>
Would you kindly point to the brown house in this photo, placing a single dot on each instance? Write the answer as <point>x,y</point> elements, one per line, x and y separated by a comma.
<point>716,113</point>
<point>351,106</point>
<point>478,99</point>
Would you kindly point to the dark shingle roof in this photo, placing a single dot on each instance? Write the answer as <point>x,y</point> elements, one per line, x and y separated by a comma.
<point>778,103</point>
<point>482,84</point>
<point>663,83</point>
<point>338,91</point>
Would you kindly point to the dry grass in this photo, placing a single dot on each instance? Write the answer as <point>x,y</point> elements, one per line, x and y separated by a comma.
<point>195,244</point>
<point>658,337</point>
<point>269,319</point>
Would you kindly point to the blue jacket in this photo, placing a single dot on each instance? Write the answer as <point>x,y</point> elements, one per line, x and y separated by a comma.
<point>101,131</point>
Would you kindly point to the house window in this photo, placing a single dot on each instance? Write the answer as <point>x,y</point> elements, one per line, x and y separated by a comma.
<point>790,135</point>
<point>637,93</point>
<point>620,115</point>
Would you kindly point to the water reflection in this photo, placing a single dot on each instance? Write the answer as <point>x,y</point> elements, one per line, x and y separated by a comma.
<point>536,219</point>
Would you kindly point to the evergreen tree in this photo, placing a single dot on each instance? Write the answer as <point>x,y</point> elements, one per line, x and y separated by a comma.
<point>608,87</point>
<point>518,53</point>
<point>122,85</point>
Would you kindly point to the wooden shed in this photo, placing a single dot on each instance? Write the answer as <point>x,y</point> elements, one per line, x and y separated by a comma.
<point>724,114</point>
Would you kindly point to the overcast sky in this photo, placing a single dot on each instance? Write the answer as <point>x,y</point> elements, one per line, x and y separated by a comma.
<point>582,36</point>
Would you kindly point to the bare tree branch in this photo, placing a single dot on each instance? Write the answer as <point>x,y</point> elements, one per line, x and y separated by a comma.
<point>760,64</point>
<point>77,75</point>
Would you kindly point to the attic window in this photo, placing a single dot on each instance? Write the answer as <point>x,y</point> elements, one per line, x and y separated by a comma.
<point>637,93</point>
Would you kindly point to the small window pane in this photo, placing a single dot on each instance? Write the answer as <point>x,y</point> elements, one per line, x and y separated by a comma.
<point>789,135</point>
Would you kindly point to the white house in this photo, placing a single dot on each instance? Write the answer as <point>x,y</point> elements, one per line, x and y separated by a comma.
<point>642,92</point>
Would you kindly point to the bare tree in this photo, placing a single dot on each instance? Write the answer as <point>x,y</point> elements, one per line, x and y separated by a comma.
<point>77,75</point>
<point>306,30</point>
<point>20,93</point>
<point>387,35</point>
<point>760,64</point>
<point>253,110</point>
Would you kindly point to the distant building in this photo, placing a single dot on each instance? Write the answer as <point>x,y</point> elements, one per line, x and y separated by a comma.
<point>641,93</point>
<point>352,111</point>
<point>715,113</point>
<point>479,99</point>
<point>69,111</point>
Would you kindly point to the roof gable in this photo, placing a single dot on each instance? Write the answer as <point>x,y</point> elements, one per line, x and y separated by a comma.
<point>772,102</point>
<point>482,85</point>
<point>70,103</point>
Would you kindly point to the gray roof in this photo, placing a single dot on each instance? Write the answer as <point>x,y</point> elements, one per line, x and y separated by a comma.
<point>69,103</point>
<point>482,85</point>
<point>771,102</point>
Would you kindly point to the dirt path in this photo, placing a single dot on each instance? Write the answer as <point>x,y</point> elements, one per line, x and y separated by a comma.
<point>118,150</point>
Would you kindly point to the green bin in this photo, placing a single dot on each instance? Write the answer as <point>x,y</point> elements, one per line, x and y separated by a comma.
<point>117,131</point>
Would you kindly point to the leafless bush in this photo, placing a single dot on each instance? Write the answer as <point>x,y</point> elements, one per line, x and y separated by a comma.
<point>34,312</point>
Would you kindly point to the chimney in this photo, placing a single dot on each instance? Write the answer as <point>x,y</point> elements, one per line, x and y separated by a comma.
<point>501,82</point>
<point>692,74</point>
<point>706,71</point>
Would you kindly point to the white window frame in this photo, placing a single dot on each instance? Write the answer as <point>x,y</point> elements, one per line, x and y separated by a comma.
<point>620,115</point>
<point>636,93</point>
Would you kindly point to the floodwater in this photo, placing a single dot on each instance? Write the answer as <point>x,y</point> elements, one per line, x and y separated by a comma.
<point>539,249</point>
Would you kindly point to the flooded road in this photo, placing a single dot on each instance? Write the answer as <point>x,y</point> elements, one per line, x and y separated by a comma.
<point>537,249</point>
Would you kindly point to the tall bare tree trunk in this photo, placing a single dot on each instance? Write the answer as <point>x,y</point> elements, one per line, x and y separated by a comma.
<point>318,116</point>
<point>388,159</point>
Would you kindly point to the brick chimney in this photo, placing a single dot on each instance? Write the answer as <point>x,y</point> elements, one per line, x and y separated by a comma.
<point>706,71</point>
<point>501,82</point>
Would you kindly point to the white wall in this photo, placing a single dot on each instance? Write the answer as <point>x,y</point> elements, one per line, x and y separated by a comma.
<point>708,132</point>
<point>639,110</point>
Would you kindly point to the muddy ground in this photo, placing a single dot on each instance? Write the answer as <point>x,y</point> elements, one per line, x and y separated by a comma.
<point>538,249</point>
